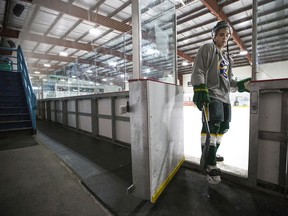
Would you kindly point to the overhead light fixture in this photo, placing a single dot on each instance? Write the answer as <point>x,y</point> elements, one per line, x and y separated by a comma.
<point>47,65</point>
<point>181,1</point>
<point>18,9</point>
<point>243,52</point>
<point>112,63</point>
<point>94,31</point>
<point>184,63</point>
<point>36,72</point>
<point>63,54</point>
<point>148,70</point>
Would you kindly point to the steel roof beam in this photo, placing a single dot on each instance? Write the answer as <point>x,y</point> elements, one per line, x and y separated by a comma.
<point>54,41</point>
<point>83,14</point>
<point>90,16</point>
<point>6,32</point>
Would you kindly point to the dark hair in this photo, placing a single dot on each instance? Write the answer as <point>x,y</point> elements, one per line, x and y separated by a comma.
<point>220,25</point>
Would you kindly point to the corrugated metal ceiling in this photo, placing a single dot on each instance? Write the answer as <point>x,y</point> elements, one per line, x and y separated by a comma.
<point>46,28</point>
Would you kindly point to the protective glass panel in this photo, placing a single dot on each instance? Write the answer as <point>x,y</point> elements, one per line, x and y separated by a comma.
<point>158,40</point>
<point>272,40</point>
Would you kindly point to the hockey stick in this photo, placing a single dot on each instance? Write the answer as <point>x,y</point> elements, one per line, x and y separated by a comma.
<point>203,159</point>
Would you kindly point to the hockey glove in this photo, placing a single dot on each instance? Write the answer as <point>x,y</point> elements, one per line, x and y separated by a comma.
<point>201,96</point>
<point>244,85</point>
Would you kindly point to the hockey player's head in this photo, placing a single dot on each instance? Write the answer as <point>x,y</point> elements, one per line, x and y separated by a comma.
<point>221,33</point>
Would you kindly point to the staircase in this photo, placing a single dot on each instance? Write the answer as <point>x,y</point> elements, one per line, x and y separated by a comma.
<point>17,101</point>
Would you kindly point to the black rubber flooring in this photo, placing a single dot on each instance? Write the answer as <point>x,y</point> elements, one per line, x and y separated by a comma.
<point>105,170</point>
<point>14,143</point>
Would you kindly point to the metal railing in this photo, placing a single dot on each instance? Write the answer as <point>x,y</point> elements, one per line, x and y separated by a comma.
<point>21,67</point>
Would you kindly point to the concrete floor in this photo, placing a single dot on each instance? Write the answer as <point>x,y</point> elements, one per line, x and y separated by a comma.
<point>34,181</point>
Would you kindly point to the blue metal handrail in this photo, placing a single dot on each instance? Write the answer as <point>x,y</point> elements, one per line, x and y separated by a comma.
<point>23,69</point>
<point>30,95</point>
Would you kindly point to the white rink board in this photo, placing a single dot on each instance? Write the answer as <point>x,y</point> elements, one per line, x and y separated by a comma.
<point>165,107</point>
<point>157,145</point>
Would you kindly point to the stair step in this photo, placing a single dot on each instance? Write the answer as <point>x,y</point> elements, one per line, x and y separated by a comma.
<point>14,111</point>
<point>10,114</point>
<point>14,121</point>
<point>13,104</point>
<point>16,129</point>
<point>15,92</point>
<point>15,124</point>
<point>16,132</point>
<point>10,74</point>
<point>14,116</point>
<point>8,97</point>
<point>12,81</point>
<point>11,110</point>
<point>15,108</point>
<point>6,87</point>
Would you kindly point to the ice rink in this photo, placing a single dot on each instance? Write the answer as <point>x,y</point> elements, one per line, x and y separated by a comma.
<point>235,143</point>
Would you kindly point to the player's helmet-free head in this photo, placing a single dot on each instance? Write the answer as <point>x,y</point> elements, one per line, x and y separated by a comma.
<point>220,25</point>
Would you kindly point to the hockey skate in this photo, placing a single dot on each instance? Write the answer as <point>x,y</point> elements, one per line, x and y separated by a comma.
<point>213,174</point>
<point>219,158</point>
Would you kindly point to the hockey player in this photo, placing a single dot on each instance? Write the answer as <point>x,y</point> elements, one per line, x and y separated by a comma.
<point>212,83</point>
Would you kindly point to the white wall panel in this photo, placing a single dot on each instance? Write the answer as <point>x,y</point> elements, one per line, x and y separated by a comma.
<point>268,161</point>
<point>268,150</point>
<point>84,106</point>
<point>270,116</point>
<point>52,116</point>
<point>105,127</point>
<point>85,123</point>
<point>71,105</point>
<point>104,106</point>
<point>72,120</point>
<point>59,117</point>
<point>123,131</point>
<point>58,105</point>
